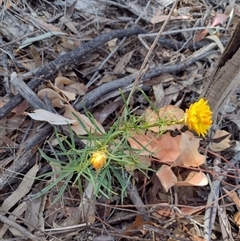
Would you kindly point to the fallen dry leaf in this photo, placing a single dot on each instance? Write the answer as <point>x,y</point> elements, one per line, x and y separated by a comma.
<point>166,148</point>
<point>194,179</point>
<point>222,145</point>
<point>61,81</point>
<point>24,187</point>
<point>189,155</point>
<point>200,35</point>
<point>35,208</point>
<point>216,39</point>
<point>68,22</point>
<point>36,56</point>
<point>76,88</point>
<point>17,212</point>
<point>166,177</point>
<point>218,19</point>
<point>234,196</point>
<point>18,110</point>
<point>158,93</point>
<point>123,62</point>
<point>52,118</point>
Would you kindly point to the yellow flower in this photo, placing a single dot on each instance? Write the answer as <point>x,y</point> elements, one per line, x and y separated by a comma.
<point>199,117</point>
<point>98,159</point>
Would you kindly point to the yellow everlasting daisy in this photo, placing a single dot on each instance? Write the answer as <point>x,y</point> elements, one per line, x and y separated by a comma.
<point>98,159</point>
<point>199,117</point>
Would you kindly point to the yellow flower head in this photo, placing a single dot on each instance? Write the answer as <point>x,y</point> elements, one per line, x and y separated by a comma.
<point>199,117</point>
<point>98,159</point>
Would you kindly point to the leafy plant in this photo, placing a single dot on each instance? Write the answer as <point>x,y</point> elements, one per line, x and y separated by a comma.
<point>106,155</point>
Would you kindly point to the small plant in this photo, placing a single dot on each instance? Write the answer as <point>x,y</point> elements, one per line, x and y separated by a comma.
<point>106,155</point>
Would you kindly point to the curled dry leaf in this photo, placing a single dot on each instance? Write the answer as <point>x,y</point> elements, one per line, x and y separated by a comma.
<point>166,177</point>
<point>189,155</point>
<point>54,119</point>
<point>77,88</point>
<point>168,114</point>
<point>56,99</point>
<point>194,179</point>
<point>69,87</point>
<point>222,145</point>
<point>60,83</point>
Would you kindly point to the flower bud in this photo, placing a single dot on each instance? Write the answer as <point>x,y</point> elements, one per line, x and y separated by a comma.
<point>98,159</point>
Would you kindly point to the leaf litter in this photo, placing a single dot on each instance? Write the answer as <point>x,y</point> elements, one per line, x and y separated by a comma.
<point>182,169</point>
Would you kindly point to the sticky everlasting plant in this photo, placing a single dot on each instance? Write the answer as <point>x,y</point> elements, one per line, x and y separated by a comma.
<point>199,117</point>
<point>107,155</point>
